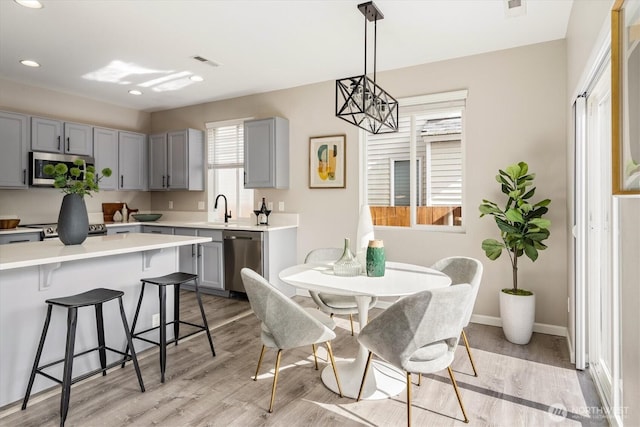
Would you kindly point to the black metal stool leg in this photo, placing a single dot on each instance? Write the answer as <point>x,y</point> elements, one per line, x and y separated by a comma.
<point>72,321</point>
<point>163,331</point>
<point>101,345</point>
<point>204,318</point>
<point>135,320</point>
<point>176,312</point>
<point>38,354</point>
<point>130,345</point>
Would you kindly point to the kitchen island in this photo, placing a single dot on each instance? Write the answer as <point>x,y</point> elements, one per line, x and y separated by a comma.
<point>32,272</point>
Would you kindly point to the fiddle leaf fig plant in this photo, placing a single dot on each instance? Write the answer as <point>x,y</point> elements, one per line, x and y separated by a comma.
<point>79,179</point>
<point>522,228</point>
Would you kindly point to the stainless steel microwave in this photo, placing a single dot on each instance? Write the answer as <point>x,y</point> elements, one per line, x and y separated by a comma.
<point>38,160</point>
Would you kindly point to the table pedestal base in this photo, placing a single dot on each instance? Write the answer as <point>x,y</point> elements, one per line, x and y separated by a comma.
<point>383,380</point>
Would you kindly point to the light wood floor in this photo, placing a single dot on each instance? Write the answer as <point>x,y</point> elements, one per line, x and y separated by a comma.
<point>516,386</point>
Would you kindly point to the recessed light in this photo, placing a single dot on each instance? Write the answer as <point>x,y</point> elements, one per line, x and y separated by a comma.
<point>29,63</point>
<point>196,78</point>
<point>135,92</point>
<point>31,4</point>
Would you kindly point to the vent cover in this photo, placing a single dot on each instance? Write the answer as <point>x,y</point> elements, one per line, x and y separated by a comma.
<point>514,8</point>
<point>206,61</point>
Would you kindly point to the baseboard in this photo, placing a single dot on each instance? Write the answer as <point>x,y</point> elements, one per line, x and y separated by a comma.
<point>541,328</point>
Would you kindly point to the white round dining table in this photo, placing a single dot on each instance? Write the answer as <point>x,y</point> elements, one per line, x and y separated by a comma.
<point>383,380</point>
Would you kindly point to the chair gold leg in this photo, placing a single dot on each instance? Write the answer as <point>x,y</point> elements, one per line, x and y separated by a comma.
<point>455,387</point>
<point>315,356</point>
<point>351,321</point>
<point>466,344</point>
<point>335,368</point>
<point>255,378</point>
<point>275,381</point>
<point>419,379</point>
<point>409,399</point>
<point>364,376</point>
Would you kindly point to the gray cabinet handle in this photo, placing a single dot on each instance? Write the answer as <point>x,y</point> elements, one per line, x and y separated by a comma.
<point>19,241</point>
<point>58,142</point>
<point>121,181</point>
<point>68,144</point>
<point>168,181</point>
<point>24,176</point>
<point>162,181</point>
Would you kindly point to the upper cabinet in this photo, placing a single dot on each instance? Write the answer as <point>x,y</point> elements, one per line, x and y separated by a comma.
<point>105,151</point>
<point>14,148</point>
<point>176,160</point>
<point>132,161</point>
<point>61,137</point>
<point>266,153</point>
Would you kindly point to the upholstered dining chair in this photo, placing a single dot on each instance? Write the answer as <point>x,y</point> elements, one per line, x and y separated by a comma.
<point>463,270</point>
<point>419,334</point>
<point>285,324</point>
<point>329,303</point>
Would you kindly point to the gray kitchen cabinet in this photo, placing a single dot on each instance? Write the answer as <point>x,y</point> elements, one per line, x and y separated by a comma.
<point>266,153</point>
<point>61,137</point>
<point>132,161</point>
<point>14,150</point>
<point>125,229</point>
<point>176,160</point>
<point>205,260</point>
<point>211,262</point>
<point>105,150</point>
<point>157,229</point>
<point>29,236</point>
<point>187,254</point>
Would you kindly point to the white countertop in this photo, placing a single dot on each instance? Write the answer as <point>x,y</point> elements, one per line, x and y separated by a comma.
<point>210,225</point>
<point>18,230</point>
<point>52,251</point>
<point>183,224</point>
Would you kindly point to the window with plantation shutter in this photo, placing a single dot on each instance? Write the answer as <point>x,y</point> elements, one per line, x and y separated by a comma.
<point>225,159</point>
<point>414,177</point>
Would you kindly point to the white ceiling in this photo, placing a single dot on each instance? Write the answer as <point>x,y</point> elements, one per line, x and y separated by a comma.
<point>262,45</point>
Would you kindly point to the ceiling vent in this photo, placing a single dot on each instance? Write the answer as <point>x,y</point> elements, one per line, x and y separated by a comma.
<point>514,8</point>
<point>206,61</point>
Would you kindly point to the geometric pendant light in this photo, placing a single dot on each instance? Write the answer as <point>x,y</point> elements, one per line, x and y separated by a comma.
<point>359,100</point>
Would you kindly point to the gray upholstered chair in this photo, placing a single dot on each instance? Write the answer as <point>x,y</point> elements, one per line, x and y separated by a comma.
<point>463,270</point>
<point>329,303</point>
<point>285,324</point>
<point>419,333</point>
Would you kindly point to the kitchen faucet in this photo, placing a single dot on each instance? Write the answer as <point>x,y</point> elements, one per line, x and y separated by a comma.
<point>215,206</point>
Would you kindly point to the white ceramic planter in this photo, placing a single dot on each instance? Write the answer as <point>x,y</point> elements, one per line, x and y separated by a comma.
<point>518,314</point>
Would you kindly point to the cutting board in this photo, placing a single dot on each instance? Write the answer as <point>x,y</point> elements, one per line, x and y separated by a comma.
<point>108,209</point>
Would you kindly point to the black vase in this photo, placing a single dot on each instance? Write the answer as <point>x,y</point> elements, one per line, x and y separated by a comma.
<point>73,220</point>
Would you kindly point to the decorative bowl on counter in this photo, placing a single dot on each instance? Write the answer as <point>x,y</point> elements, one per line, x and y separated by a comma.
<point>6,224</point>
<point>146,217</point>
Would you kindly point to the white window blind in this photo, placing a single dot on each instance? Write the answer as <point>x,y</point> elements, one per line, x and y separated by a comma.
<point>225,159</point>
<point>225,146</point>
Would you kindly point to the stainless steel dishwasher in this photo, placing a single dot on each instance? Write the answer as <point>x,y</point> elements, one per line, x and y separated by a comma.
<point>241,249</point>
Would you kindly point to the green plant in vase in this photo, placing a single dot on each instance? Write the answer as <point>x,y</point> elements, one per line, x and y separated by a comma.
<point>79,179</point>
<point>522,232</point>
<point>75,182</point>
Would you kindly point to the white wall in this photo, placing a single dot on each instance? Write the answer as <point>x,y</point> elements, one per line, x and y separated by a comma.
<point>515,111</point>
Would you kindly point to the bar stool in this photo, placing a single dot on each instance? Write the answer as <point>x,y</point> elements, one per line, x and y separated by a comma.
<point>96,298</point>
<point>175,280</point>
